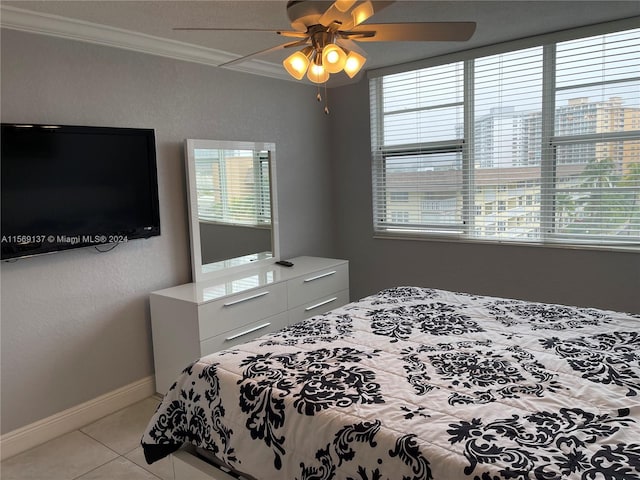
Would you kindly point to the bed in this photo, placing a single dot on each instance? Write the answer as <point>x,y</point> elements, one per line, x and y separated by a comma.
<point>418,383</point>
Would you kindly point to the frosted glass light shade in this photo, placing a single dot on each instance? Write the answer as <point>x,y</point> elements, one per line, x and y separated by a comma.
<point>333,58</point>
<point>317,73</point>
<point>344,5</point>
<point>296,64</point>
<point>353,64</point>
<point>362,12</point>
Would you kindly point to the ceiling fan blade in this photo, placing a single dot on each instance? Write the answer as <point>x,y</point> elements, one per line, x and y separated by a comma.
<point>292,34</point>
<point>227,29</point>
<point>351,45</point>
<point>284,33</point>
<point>412,32</point>
<point>262,52</point>
<point>381,5</point>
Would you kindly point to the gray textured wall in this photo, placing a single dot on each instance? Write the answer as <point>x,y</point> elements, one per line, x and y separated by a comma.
<point>75,325</point>
<point>579,277</point>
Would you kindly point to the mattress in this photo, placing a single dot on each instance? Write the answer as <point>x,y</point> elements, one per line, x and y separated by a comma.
<point>418,383</point>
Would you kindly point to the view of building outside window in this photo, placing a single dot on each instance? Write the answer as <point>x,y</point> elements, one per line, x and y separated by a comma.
<point>533,162</point>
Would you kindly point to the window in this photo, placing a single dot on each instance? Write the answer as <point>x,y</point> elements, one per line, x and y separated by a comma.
<point>538,145</point>
<point>233,186</point>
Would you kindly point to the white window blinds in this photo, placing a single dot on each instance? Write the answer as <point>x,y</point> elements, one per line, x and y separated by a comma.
<point>506,150</point>
<point>233,186</point>
<point>418,149</point>
<point>540,145</point>
<point>596,139</point>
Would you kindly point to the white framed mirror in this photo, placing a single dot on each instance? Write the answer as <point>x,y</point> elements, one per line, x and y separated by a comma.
<point>232,206</point>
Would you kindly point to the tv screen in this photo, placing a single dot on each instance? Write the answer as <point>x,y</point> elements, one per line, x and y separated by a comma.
<point>69,186</point>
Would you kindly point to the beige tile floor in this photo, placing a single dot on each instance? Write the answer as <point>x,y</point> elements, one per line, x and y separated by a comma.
<point>108,449</point>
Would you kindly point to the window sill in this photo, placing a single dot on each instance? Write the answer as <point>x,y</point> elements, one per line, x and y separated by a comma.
<point>444,238</point>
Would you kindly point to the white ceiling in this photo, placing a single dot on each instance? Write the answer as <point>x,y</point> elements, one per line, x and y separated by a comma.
<point>497,21</point>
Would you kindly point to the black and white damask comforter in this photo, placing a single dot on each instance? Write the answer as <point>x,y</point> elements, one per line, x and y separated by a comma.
<point>417,383</point>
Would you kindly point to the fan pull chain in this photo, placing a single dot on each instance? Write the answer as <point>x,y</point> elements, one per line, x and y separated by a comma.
<point>326,100</point>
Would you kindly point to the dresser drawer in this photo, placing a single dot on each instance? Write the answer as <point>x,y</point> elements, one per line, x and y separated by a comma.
<point>243,334</point>
<point>318,284</point>
<point>236,311</point>
<point>319,306</point>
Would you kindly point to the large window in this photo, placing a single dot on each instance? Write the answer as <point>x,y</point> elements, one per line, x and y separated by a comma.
<point>538,145</point>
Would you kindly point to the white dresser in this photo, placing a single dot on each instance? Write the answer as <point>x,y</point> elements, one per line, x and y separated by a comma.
<point>196,319</point>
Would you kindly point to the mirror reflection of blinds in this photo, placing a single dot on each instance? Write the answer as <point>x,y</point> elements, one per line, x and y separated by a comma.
<point>540,145</point>
<point>233,187</point>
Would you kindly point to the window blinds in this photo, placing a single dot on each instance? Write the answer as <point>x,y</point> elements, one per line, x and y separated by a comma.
<point>538,145</point>
<point>507,149</point>
<point>597,124</point>
<point>233,186</point>
<point>418,150</point>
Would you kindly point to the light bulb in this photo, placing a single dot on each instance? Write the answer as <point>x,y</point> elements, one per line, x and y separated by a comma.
<point>317,73</point>
<point>333,58</point>
<point>297,63</point>
<point>354,64</point>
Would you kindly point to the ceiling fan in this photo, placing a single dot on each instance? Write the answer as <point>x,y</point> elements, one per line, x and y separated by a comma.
<point>327,34</point>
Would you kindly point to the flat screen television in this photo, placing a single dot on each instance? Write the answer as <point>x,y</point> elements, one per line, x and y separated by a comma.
<point>66,187</point>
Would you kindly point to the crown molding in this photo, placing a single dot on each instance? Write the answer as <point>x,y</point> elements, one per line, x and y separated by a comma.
<point>71,29</point>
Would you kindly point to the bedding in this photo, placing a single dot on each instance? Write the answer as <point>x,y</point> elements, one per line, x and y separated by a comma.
<point>418,383</point>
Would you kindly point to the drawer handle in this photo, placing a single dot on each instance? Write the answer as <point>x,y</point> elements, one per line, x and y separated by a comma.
<point>247,332</point>
<point>320,276</point>
<point>320,304</point>
<point>246,299</point>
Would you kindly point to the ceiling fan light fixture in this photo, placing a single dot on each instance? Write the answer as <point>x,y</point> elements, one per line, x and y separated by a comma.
<point>333,58</point>
<point>354,64</point>
<point>297,63</point>
<point>328,34</point>
<point>362,12</point>
<point>317,73</point>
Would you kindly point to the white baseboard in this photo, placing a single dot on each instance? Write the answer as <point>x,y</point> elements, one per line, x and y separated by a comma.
<point>73,418</point>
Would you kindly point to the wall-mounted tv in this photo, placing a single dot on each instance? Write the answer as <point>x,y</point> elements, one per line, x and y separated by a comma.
<point>67,187</point>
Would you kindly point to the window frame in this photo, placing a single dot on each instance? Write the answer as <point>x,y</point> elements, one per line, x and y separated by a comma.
<point>549,189</point>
